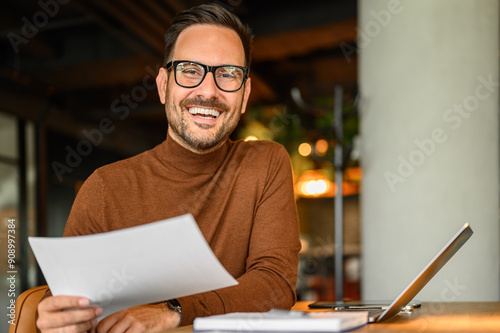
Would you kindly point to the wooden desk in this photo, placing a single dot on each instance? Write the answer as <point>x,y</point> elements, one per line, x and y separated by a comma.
<point>431,317</point>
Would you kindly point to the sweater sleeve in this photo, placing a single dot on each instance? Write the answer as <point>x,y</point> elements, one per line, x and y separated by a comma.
<point>86,216</point>
<point>271,268</point>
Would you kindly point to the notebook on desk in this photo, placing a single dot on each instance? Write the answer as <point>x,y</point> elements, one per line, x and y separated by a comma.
<point>382,312</point>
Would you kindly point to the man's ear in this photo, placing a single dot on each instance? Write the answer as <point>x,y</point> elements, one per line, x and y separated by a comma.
<point>246,94</point>
<point>161,83</point>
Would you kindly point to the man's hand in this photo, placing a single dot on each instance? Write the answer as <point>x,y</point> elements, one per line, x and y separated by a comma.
<point>144,318</point>
<point>66,314</point>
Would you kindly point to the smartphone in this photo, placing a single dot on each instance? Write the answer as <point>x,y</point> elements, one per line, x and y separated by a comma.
<point>359,305</point>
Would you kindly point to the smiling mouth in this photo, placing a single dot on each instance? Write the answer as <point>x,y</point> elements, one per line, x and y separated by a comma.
<point>204,113</point>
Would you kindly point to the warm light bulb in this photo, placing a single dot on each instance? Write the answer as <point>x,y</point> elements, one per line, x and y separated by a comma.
<point>315,187</point>
<point>251,138</point>
<point>321,147</point>
<point>305,149</point>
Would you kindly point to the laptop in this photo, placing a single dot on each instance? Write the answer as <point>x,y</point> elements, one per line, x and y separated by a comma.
<point>378,312</point>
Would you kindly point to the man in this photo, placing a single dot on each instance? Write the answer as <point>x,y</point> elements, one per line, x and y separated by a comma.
<point>240,193</point>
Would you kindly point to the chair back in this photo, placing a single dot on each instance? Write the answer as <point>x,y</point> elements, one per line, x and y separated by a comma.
<point>26,304</point>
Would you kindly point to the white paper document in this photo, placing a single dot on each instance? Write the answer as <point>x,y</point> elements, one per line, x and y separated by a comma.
<point>140,265</point>
<point>282,321</point>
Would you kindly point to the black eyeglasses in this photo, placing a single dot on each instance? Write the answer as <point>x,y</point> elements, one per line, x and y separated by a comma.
<point>190,74</point>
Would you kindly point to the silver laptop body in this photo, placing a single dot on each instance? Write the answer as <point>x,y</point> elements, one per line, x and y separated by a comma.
<point>407,295</point>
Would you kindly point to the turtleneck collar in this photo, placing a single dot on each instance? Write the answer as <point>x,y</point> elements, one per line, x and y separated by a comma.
<point>188,161</point>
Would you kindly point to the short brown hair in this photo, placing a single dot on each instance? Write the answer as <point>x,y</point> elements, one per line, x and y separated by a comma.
<point>207,14</point>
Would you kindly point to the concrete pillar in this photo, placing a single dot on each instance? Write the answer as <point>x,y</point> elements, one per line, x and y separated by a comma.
<point>430,147</point>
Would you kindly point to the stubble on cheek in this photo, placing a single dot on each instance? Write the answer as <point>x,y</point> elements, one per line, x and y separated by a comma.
<point>200,136</point>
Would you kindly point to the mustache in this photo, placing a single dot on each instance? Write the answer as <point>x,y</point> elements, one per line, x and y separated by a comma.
<point>208,103</point>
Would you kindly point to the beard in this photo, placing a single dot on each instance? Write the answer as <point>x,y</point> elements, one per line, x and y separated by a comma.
<point>201,138</point>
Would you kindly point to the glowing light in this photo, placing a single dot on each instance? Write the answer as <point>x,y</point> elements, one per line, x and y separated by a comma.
<point>251,138</point>
<point>353,174</point>
<point>305,149</point>
<point>315,187</point>
<point>314,183</point>
<point>304,245</point>
<point>321,147</point>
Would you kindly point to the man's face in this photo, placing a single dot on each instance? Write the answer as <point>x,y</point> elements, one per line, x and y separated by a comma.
<point>201,118</point>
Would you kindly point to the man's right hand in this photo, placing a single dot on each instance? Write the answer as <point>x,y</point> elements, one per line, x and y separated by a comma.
<point>66,314</point>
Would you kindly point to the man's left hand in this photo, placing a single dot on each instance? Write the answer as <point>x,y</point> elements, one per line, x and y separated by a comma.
<point>142,318</point>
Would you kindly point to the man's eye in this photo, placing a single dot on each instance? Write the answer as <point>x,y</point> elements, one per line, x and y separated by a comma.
<point>227,72</point>
<point>191,71</point>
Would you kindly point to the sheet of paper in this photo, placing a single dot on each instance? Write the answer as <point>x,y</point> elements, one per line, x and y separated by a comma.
<point>145,264</point>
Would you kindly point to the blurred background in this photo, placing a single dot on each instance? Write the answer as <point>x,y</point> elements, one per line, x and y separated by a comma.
<point>415,83</point>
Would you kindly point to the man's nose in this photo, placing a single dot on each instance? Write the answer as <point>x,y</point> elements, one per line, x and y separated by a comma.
<point>207,87</point>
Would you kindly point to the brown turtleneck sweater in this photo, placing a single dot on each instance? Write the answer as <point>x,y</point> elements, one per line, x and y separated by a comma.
<point>241,196</point>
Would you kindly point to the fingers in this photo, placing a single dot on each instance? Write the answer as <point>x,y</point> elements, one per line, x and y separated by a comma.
<point>68,318</point>
<point>138,319</point>
<point>68,313</point>
<point>85,327</point>
<point>116,322</point>
<point>58,303</point>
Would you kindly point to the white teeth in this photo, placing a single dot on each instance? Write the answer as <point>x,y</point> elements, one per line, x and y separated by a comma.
<point>202,111</point>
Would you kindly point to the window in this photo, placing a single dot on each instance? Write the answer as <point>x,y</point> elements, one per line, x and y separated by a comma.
<point>17,209</point>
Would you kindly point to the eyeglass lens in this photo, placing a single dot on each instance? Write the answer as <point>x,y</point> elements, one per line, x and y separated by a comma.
<point>189,74</point>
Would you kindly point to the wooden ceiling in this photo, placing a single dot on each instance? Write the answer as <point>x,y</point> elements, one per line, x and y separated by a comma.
<point>68,64</point>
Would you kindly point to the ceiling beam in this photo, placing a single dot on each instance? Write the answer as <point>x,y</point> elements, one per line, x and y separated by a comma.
<point>261,91</point>
<point>124,71</point>
<point>272,17</point>
<point>129,21</point>
<point>26,105</point>
<point>284,45</point>
<point>146,19</point>
<point>164,16</point>
<point>114,31</point>
<point>176,5</point>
